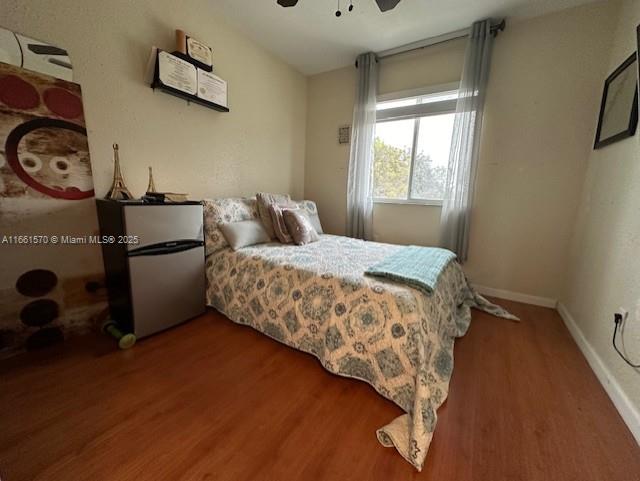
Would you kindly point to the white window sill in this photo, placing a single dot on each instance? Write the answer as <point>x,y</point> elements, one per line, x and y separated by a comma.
<point>433,203</point>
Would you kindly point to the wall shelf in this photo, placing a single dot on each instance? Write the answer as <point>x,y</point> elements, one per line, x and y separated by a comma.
<point>156,84</point>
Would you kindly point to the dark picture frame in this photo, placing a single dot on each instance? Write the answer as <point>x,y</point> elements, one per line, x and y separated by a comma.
<point>616,86</point>
<point>638,58</point>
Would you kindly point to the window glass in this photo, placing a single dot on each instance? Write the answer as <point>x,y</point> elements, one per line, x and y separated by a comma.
<point>431,158</point>
<point>439,97</point>
<point>392,104</point>
<point>411,154</point>
<point>392,159</point>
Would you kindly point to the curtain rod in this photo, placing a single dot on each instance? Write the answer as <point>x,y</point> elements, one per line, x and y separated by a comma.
<point>428,42</point>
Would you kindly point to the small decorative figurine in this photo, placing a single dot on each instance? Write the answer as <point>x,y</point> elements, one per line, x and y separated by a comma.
<point>151,187</point>
<point>118,190</point>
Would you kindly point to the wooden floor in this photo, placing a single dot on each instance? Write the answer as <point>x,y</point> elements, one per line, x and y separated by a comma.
<point>211,400</point>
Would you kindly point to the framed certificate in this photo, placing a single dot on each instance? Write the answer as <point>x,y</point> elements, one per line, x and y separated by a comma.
<point>177,73</point>
<point>199,52</point>
<point>212,88</point>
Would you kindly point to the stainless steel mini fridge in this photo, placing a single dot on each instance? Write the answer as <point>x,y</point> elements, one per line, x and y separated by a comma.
<point>154,263</point>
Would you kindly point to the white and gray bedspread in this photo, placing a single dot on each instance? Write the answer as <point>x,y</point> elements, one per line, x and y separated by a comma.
<point>316,298</point>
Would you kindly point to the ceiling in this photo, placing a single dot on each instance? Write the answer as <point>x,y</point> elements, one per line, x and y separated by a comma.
<point>311,39</point>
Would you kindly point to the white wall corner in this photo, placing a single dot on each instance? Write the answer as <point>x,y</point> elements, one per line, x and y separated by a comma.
<point>516,296</point>
<point>628,412</point>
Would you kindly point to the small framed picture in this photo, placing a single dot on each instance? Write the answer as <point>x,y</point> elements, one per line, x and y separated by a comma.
<point>194,51</point>
<point>344,132</point>
<point>199,51</point>
<point>619,107</point>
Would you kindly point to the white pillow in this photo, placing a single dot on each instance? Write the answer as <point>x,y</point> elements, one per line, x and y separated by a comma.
<point>244,233</point>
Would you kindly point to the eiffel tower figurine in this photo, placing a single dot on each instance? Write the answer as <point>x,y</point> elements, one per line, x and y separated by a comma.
<point>118,190</point>
<point>151,187</point>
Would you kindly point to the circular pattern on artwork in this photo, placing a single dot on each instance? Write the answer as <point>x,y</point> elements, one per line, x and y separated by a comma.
<point>30,162</point>
<point>62,133</point>
<point>36,283</point>
<point>18,94</point>
<point>40,312</point>
<point>63,103</point>
<point>60,165</point>
<point>44,338</point>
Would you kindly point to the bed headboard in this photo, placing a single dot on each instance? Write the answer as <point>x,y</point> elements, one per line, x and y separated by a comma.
<point>222,211</point>
<point>236,209</point>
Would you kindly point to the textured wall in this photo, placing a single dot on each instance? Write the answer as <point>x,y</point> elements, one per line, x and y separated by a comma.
<point>540,116</point>
<point>258,146</point>
<point>604,268</point>
<point>331,96</point>
<point>541,110</point>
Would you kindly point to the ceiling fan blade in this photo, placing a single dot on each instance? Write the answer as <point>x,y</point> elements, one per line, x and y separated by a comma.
<point>385,5</point>
<point>287,3</point>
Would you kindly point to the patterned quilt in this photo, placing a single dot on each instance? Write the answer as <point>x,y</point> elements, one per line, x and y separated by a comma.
<point>315,298</point>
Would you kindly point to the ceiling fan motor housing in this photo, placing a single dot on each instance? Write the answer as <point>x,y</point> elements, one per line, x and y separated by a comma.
<point>383,5</point>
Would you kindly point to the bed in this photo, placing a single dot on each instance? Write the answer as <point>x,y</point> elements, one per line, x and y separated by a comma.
<point>316,298</point>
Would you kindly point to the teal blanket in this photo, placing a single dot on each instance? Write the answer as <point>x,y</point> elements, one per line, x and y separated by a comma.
<point>418,267</point>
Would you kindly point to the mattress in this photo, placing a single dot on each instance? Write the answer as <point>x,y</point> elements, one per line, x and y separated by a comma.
<point>316,298</point>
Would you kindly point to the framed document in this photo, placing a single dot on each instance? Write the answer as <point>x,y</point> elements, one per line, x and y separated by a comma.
<point>177,73</point>
<point>212,88</point>
<point>619,108</point>
<point>199,52</point>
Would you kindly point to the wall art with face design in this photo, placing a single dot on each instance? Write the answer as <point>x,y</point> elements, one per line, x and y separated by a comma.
<point>50,286</point>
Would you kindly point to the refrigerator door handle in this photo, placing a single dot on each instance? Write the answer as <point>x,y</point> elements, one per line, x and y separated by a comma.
<point>165,248</point>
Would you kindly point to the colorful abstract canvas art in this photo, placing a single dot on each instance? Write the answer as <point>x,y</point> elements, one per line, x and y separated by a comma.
<point>48,288</point>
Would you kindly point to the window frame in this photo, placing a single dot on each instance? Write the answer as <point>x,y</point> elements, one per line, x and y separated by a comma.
<point>415,112</point>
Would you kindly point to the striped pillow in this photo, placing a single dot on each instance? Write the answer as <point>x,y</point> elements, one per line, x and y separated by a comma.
<point>264,201</point>
<point>279,226</point>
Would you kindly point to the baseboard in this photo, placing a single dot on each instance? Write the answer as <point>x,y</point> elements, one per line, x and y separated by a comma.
<point>516,296</point>
<point>628,412</point>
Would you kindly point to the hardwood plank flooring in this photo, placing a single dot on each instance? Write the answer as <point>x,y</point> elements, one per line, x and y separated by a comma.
<point>212,400</point>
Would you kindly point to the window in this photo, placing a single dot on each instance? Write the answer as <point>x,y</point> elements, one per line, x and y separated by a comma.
<point>411,149</point>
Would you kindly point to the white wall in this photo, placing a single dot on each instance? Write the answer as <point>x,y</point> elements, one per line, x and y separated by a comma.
<point>604,266</point>
<point>260,145</point>
<point>330,104</point>
<point>541,107</point>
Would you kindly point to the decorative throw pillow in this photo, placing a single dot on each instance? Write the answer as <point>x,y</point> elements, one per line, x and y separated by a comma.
<point>244,233</point>
<point>309,207</point>
<point>279,227</point>
<point>299,226</point>
<point>264,201</point>
<point>223,211</point>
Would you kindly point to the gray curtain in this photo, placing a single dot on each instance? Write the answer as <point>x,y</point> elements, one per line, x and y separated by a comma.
<point>360,178</point>
<point>465,144</point>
